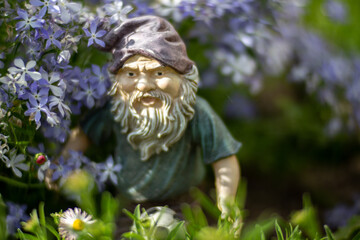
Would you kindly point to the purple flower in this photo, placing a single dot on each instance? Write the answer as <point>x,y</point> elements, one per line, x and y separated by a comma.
<point>25,70</point>
<point>34,21</point>
<point>117,11</point>
<point>94,35</point>
<point>58,132</point>
<point>16,214</point>
<point>37,93</point>
<point>101,77</point>
<point>47,5</point>
<point>35,109</point>
<point>142,8</point>
<point>52,37</point>
<point>68,10</point>
<point>33,150</point>
<point>54,77</point>
<point>77,159</point>
<point>108,170</point>
<point>61,169</point>
<point>61,106</point>
<point>16,163</point>
<point>336,10</point>
<point>88,93</point>
<point>13,81</point>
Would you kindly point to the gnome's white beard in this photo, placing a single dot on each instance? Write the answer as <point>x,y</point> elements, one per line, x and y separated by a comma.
<point>152,130</point>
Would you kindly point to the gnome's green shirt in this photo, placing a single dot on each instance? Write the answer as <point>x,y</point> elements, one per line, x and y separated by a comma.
<point>170,173</point>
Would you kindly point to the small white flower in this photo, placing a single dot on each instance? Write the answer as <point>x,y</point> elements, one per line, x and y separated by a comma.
<point>23,69</point>
<point>73,222</point>
<point>15,162</point>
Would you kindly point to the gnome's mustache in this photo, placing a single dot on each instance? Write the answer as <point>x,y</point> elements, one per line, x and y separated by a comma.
<point>138,96</point>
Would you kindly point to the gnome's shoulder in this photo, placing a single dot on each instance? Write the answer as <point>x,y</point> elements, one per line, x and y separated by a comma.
<point>97,124</point>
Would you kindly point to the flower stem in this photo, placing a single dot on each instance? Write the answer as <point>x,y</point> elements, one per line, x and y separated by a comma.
<point>20,184</point>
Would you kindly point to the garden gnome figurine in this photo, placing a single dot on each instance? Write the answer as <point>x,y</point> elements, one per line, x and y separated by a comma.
<point>161,133</point>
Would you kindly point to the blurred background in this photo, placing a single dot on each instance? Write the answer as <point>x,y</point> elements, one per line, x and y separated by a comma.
<point>284,75</point>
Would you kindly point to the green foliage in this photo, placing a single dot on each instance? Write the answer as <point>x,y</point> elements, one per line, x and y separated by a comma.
<point>307,218</point>
<point>3,232</point>
<point>146,227</point>
<point>350,231</point>
<point>38,227</point>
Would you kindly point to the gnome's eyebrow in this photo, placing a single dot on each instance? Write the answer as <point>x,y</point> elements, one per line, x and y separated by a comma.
<point>130,67</point>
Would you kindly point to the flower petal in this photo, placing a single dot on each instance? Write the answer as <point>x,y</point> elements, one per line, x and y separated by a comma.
<point>19,63</point>
<point>30,64</point>
<point>35,75</point>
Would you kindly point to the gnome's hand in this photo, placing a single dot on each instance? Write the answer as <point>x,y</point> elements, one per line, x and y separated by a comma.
<point>227,176</point>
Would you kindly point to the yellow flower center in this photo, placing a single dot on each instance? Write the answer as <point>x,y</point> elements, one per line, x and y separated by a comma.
<point>78,225</point>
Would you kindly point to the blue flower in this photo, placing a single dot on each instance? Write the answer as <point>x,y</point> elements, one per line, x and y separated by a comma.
<point>108,170</point>
<point>34,21</point>
<point>37,93</point>
<point>68,10</point>
<point>35,108</point>
<point>13,82</point>
<point>94,35</point>
<point>77,159</point>
<point>60,105</point>
<point>117,11</point>
<point>24,70</point>
<point>58,132</point>
<point>16,214</point>
<point>35,150</point>
<point>47,5</point>
<point>336,10</point>
<point>101,78</point>
<point>54,77</point>
<point>16,162</point>
<point>62,169</point>
<point>52,37</point>
<point>88,93</point>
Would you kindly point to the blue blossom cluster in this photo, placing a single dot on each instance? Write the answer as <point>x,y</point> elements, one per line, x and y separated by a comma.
<point>48,34</point>
<point>252,40</point>
<point>38,73</point>
<point>102,172</point>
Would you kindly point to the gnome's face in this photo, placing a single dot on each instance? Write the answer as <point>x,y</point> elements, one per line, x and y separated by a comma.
<point>144,75</point>
<point>153,103</point>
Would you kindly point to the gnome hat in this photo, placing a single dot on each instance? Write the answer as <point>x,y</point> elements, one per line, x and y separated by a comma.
<point>149,36</point>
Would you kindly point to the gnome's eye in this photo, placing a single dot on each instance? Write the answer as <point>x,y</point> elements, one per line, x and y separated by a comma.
<point>130,74</point>
<point>159,73</point>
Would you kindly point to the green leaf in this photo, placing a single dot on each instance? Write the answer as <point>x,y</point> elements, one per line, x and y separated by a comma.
<point>208,205</point>
<point>278,231</point>
<point>357,236</point>
<point>173,233</point>
<point>42,214</point>
<point>133,235</point>
<point>53,231</point>
<point>25,236</point>
<point>329,233</point>
<point>109,207</point>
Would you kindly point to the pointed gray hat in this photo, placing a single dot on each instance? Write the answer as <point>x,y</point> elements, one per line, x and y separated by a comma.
<point>149,36</point>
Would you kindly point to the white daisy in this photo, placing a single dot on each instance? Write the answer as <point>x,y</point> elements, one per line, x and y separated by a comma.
<point>73,222</point>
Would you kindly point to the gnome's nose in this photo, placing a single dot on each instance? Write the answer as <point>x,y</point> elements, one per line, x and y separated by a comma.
<point>144,85</point>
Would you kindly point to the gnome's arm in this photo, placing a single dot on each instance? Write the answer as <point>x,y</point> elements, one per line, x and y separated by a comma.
<point>78,141</point>
<point>227,176</point>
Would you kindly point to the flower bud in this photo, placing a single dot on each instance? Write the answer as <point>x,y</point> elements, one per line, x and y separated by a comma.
<point>40,158</point>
